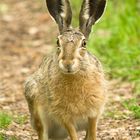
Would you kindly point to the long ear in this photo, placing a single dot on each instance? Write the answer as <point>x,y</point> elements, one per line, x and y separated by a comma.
<point>60,10</point>
<point>91,11</point>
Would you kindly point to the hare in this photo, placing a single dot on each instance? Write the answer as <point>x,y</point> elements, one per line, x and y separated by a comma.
<point>68,91</point>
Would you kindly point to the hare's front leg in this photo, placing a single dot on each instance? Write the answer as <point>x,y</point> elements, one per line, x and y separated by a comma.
<point>71,130</point>
<point>91,132</point>
<point>40,122</point>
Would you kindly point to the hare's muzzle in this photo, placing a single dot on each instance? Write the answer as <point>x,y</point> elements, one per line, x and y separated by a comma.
<point>68,66</point>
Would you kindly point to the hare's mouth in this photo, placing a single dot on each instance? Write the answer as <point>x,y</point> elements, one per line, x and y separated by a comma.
<point>68,71</point>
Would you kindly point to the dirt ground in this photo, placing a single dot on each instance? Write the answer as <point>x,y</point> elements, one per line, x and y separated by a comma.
<point>26,35</point>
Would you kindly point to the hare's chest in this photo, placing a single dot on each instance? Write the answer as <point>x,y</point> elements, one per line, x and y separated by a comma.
<point>72,100</point>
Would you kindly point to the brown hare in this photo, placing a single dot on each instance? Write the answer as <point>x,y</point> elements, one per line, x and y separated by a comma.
<point>68,91</point>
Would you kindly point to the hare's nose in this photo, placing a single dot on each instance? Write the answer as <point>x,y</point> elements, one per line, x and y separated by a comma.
<point>68,67</point>
<point>68,63</point>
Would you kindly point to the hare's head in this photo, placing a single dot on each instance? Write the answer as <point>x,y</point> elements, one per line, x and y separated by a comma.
<point>71,42</point>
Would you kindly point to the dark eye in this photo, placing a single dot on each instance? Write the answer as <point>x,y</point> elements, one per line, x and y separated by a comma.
<point>58,43</point>
<point>84,43</point>
<point>58,46</point>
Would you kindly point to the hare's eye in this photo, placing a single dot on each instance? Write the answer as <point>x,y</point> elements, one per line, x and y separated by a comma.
<point>84,43</point>
<point>58,46</point>
<point>58,43</point>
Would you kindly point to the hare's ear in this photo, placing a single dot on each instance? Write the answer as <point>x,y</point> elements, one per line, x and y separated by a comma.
<point>60,10</point>
<point>91,11</point>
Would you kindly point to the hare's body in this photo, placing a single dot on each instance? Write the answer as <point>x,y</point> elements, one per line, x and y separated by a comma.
<point>66,96</point>
<point>69,86</point>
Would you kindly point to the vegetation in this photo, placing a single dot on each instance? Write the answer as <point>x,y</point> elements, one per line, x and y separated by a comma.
<point>4,137</point>
<point>133,106</point>
<point>5,120</point>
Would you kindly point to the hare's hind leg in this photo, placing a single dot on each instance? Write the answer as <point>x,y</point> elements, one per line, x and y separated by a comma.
<point>91,131</point>
<point>40,122</point>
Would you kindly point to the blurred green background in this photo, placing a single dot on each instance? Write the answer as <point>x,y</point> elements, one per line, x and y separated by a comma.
<point>115,38</point>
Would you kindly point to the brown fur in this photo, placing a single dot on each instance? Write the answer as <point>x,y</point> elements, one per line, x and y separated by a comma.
<point>66,98</point>
<point>69,89</point>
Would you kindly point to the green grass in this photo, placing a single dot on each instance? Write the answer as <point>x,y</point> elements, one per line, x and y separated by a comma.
<point>5,120</point>
<point>115,114</point>
<point>133,106</point>
<point>4,137</point>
